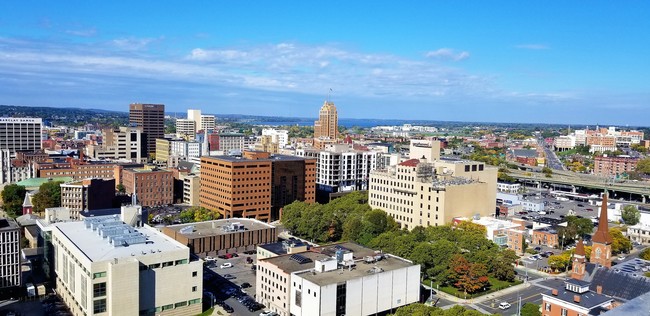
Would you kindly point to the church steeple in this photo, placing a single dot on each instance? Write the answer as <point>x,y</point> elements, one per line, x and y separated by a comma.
<point>602,240</point>
<point>578,270</point>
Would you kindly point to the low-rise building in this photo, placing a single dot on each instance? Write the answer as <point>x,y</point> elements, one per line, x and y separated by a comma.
<point>280,248</point>
<point>545,237</point>
<point>575,299</point>
<point>222,236</point>
<point>88,194</point>
<point>639,233</point>
<point>151,186</point>
<point>504,233</point>
<point>506,187</point>
<point>614,166</point>
<point>106,267</point>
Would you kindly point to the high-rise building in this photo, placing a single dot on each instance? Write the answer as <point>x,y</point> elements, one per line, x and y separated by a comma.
<point>20,133</point>
<point>207,123</point>
<point>326,129</point>
<point>152,119</point>
<point>256,185</point>
<point>186,129</point>
<point>10,253</point>
<point>124,143</point>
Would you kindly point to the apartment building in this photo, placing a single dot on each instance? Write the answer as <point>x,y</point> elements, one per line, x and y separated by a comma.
<point>106,267</point>
<point>191,189</point>
<point>123,143</point>
<point>10,274</point>
<point>87,195</point>
<point>151,117</point>
<point>339,279</point>
<point>339,168</point>
<point>230,142</point>
<point>222,236</point>
<point>256,185</point>
<point>186,149</point>
<point>163,150</point>
<point>185,129</point>
<point>20,133</point>
<point>279,136</point>
<point>614,166</point>
<point>420,193</point>
<point>151,186</point>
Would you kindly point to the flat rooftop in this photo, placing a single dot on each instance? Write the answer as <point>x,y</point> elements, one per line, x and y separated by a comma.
<point>98,248</point>
<point>289,265</point>
<point>280,248</point>
<point>362,269</point>
<point>7,224</point>
<point>271,158</point>
<point>219,227</point>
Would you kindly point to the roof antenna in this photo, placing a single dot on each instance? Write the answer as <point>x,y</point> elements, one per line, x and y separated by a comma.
<point>328,95</point>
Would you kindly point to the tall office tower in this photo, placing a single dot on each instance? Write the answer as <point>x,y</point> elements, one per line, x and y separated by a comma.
<point>9,253</point>
<point>328,122</point>
<point>186,129</point>
<point>20,133</point>
<point>152,119</point>
<point>207,123</point>
<point>195,116</point>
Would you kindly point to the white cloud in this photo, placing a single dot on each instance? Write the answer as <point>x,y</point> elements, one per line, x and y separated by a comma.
<point>533,46</point>
<point>88,32</point>
<point>132,43</point>
<point>447,53</point>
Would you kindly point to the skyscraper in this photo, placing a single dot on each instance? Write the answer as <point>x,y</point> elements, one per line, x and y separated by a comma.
<point>152,119</point>
<point>20,133</point>
<point>328,122</point>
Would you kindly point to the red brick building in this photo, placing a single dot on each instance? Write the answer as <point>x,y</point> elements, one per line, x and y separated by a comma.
<point>151,186</point>
<point>614,166</point>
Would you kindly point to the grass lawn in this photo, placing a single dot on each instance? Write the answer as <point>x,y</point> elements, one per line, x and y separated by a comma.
<point>208,312</point>
<point>495,285</point>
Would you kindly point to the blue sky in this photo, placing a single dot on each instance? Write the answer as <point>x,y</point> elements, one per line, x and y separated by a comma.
<point>495,61</point>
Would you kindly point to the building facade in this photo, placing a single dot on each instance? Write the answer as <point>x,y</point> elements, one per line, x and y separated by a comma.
<point>10,273</point>
<point>230,142</point>
<point>327,125</point>
<point>20,133</point>
<point>87,195</point>
<point>106,267</point>
<point>124,143</point>
<point>152,119</point>
<point>614,166</point>
<point>185,129</point>
<point>151,186</point>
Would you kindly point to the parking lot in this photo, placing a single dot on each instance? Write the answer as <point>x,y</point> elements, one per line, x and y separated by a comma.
<point>226,283</point>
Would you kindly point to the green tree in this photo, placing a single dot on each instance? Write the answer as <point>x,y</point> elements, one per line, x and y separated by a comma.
<point>559,262</point>
<point>13,196</point>
<point>49,195</point>
<point>503,265</point>
<point>620,243</point>
<point>530,309</point>
<point>643,166</point>
<point>645,254</point>
<point>121,188</point>
<point>198,214</point>
<point>630,215</point>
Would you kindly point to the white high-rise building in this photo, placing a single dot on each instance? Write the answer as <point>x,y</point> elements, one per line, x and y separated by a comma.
<point>186,129</point>
<point>207,123</point>
<point>279,136</point>
<point>186,149</point>
<point>124,143</point>
<point>195,116</point>
<point>9,253</point>
<point>20,133</point>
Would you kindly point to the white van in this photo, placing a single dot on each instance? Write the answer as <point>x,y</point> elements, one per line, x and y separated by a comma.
<point>504,305</point>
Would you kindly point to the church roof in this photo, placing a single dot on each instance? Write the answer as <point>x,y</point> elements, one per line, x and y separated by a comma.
<point>619,284</point>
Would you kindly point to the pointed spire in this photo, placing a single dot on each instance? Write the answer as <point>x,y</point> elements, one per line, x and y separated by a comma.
<point>602,233</point>
<point>580,248</point>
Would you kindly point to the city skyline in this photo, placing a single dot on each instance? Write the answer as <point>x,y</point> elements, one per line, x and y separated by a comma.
<point>535,63</point>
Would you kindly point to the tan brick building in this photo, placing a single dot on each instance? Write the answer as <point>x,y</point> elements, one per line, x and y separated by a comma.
<point>87,194</point>
<point>613,166</point>
<point>256,185</point>
<point>151,186</point>
<point>82,170</point>
<point>545,237</point>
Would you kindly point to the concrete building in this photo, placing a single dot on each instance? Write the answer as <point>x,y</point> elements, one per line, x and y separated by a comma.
<point>151,117</point>
<point>284,247</point>
<point>564,142</point>
<point>208,123</point>
<point>340,168</point>
<point>639,233</point>
<point>266,143</point>
<point>222,236</point>
<point>229,142</point>
<point>191,189</point>
<point>124,143</point>
<point>186,149</point>
<point>151,186</point>
<point>185,129</point>
<point>10,273</point>
<point>614,166</point>
<point>512,188</point>
<point>420,193</point>
<point>256,185</point>
<point>20,133</point>
<point>279,136</point>
<point>163,150</point>
<point>322,281</point>
<point>106,267</point>
<point>87,195</point>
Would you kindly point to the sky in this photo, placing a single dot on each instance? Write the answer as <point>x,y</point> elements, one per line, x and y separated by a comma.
<point>580,62</point>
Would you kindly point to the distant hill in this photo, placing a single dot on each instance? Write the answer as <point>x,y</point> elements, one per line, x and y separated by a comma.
<point>67,116</point>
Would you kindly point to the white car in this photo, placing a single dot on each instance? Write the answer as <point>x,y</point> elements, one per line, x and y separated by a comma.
<point>504,305</point>
<point>268,313</point>
<point>225,265</point>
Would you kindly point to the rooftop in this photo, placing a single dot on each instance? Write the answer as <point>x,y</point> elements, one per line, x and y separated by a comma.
<point>272,158</point>
<point>7,224</point>
<point>36,182</point>
<point>280,248</point>
<point>289,265</point>
<point>219,227</point>
<point>106,237</point>
<point>588,299</point>
<point>361,270</point>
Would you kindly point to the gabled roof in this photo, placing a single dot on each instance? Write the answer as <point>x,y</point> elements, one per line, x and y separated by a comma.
<point>619,284</point>
<point>588,300</point>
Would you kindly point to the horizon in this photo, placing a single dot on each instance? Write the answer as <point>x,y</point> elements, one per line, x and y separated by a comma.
<point>547,63</point>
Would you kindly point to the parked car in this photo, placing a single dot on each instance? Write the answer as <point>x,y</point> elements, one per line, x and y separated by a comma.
<point>581,205</point>
<point>268,313</point>
<point>225,265</point>
<point>504,305</point>
<point>538,248</point>
<point>245,285</point>
<point>228,308</point>
<point>229,276</point>
<point>249,260</point>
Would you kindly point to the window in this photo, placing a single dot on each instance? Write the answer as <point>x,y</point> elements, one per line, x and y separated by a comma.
<point>298,298</point>
<point>194,289</point>
<point>99,275</point>
<point>194,301</point>
<point>563,312</point>
<point>99,306</point>
<point>167,307</point>
<point>180,304</point>
<point>195,273</point>
<point>548,307</point>
<point>99,289</point>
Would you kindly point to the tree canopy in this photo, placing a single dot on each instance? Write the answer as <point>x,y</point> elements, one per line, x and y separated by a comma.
<point>620,243</point>
<point>198,214</point>
<point>49,195</point>
<point>418,309</point>
<point>643,166</point>
<point>630,215</point>
<point>530,309</point>
<point>13,196</point>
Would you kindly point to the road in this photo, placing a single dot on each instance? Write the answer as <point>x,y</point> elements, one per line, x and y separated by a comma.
<point>530,294</point>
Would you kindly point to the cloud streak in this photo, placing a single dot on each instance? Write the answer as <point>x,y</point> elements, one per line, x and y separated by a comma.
<point>533,46</point>
<point>448,53</point>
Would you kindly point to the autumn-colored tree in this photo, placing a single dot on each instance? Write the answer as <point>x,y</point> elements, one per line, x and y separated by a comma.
<point>620,243</point>
<point>198,214</point>
<point>645,254</point>
<point>559,262</point>
<point>469,277</point>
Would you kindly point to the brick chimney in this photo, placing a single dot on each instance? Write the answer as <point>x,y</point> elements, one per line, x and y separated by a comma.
<point>576,298</point>
<point>554,292</point>
<point>599,289</point>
